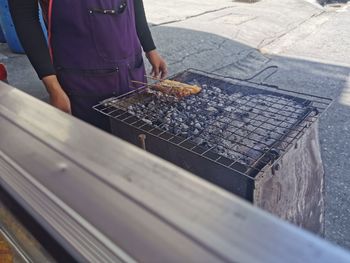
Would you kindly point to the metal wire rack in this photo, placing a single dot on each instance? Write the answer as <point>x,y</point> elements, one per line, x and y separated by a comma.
<point>242,125</point>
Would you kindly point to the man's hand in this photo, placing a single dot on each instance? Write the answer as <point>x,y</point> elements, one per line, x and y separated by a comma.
<point>159,67</point>
<point>58,98</point>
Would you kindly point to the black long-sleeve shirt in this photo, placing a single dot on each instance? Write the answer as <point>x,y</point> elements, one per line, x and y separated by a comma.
<point>26,20</point>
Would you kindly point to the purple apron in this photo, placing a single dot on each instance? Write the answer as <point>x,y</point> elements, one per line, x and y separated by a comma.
<point>96,52</point>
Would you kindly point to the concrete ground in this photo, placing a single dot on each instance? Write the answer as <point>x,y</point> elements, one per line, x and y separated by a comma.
<point>309,44</point>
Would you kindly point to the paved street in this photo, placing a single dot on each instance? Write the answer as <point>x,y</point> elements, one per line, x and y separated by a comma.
<point>309,43</point>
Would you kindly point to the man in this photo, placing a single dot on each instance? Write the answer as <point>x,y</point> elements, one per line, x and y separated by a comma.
<point>94,50</point>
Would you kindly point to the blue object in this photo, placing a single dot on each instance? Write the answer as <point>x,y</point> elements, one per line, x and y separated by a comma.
<point>9,29</point>
<point>2,37</point>
<point>42,22</point>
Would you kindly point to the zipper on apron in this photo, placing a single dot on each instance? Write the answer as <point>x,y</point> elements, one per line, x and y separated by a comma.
<point>103,11</point>
<point>88,72</point>
<point>123,5</point>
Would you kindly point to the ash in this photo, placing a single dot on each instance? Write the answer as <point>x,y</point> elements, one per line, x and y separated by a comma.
<point>237,126</point>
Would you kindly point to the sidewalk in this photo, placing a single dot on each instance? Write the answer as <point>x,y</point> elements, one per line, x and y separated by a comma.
<point>309,44</point>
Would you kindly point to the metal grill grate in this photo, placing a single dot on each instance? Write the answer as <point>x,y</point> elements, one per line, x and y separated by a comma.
<point>239,124</point>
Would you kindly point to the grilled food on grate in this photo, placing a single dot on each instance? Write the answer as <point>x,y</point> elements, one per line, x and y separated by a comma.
<point>176,88</point>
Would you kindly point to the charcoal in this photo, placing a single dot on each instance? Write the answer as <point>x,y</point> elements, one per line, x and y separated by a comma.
<point>184,127</point>
<point>212,110</point>
<point>147,121</point>
<point>232,124</point>
<point>198,126</point>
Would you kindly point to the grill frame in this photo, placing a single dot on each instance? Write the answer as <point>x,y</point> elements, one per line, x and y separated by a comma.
<point>171,146</point>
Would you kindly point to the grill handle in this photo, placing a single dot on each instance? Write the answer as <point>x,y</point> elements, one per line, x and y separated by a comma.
<point>250,79</point>
<point>327,100</point>
<point>274,71</point>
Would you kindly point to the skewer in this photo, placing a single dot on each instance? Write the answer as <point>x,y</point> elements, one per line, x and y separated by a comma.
<point>131,87</point>
<point>139,82</point>
<point>153,78</point>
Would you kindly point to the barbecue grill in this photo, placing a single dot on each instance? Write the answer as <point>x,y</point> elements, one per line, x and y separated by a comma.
<point>229,134</point>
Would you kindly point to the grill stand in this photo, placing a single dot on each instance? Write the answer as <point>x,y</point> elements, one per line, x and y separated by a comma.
<point>295,191</point>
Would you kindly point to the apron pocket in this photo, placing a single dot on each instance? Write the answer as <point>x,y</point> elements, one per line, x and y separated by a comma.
<point>89,83</point>
<point>109,24</point>
<point>137,72</point>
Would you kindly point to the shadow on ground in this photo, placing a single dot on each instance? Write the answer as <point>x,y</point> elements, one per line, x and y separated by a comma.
<point>325,2</point>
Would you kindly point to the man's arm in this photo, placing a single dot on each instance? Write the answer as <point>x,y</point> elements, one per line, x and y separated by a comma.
<point>159,67</point>
<point>142,28</point>
<point>25,15</point>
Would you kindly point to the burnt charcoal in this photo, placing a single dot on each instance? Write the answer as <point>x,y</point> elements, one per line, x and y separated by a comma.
<point>241,115</point>
<point>235,125</point>
<point>158,122</point>
<point>147,121</point>
<point>198,141</point>
<point>184,127</point>
<point>198,126</point>
<point>212,110</point>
